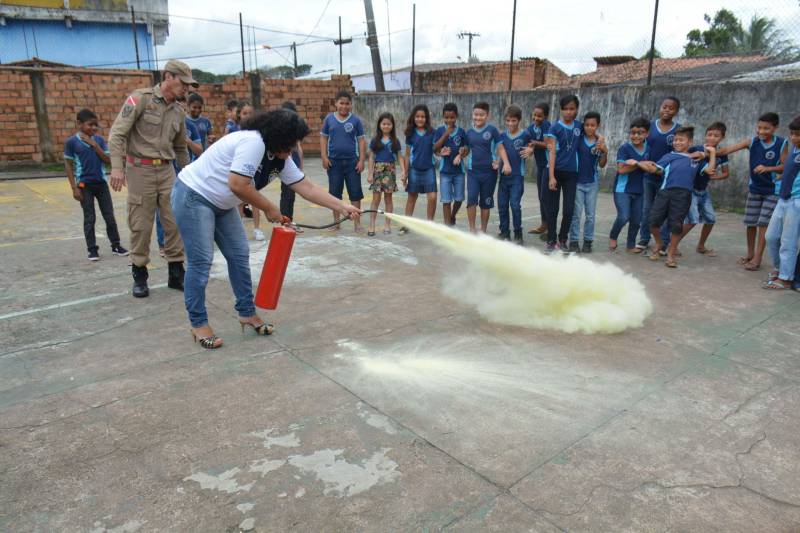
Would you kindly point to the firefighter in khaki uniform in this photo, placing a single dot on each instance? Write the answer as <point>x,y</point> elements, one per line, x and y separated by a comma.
<point>146,136</point>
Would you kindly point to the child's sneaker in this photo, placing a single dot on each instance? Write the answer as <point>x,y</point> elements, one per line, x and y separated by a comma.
<point>587,247</point>
<point>119,250</point>
<point>258,234</point>
<point>93,255</point>
<point>518,237</point>
<point>574,246</point>
<point>551,247</point>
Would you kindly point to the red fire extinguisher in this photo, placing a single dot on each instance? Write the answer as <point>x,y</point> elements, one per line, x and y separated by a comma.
<point>278,253</point>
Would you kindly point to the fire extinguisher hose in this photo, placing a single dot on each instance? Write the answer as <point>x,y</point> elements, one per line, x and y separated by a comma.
<point>332,224</point>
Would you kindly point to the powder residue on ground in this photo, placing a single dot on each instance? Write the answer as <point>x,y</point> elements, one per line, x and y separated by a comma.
<point>510,284</point>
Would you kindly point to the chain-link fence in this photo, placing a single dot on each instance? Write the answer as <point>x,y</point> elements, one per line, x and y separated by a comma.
<point>454,46</point>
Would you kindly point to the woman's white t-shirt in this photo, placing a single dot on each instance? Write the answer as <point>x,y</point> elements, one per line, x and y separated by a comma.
<point>239,152</point>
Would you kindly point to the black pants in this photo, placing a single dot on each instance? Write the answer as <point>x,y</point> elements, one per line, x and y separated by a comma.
<point>566,182</point>
<point>101,192</point>
<point>287,201</point>
<point>541,186</point>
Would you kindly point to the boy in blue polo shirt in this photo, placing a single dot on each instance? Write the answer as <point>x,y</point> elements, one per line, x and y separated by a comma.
<point>450,138</point>
<point>231,117</point>
<point>767,153</point>
<point>538,147</point>
<point>674,199</point>
<point>659,142</point>
<point>483,147</point>
<point>194,104</point>
<point>562,144</point>
<point>702,209</point>
<point>783,231</point>
<point>512,186</point>
<point>84,156</point>
<point>592,156</point>
<point>343,149</point>
<point>633,160</point>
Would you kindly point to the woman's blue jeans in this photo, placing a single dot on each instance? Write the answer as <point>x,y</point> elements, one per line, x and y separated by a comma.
<point>202,224</point>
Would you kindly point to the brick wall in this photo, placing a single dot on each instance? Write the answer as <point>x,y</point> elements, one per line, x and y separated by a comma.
<point>18,140</point>
<point>67,90</point>
<point>488,77</point>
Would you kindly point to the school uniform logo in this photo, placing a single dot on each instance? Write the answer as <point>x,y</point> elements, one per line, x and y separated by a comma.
<point>250,169</point>
<point>518,144</point>
<point>770,155</point>
<point>486,135</point>
<point>670,138</point>
<point>797,158</point>
<point>576,132</point>
<point>457,140</point>
<point>348,127</point>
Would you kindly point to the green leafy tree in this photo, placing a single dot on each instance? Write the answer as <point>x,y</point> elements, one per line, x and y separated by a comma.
<point>285,72</point>
<point>723,36</point>
<point>203,76</point>
<point>727,35</point>
<point>656,54</point>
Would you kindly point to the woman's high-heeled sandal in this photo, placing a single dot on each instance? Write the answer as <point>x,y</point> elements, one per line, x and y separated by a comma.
<point>209,343</point>
<point>260,329</point>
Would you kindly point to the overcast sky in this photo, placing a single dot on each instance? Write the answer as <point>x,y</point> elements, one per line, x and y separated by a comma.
<point>567,32</point>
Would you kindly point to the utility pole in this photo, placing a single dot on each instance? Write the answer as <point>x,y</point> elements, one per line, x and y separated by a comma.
<point>470,35</point>
<point>413,45</point>
<point>135,40</point>
<point>294,50</point>
<point>339,42</point>
<point>372,42</point>
<point>241,38</point>
<point>652,47</point>
<point>511,61</point>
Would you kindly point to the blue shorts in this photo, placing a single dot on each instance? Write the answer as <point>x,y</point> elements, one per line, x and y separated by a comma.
<point>343,172</point>
<point>702,210</point>
<point>451,188</point>
<point>421,181</point>
<point>480,190</point>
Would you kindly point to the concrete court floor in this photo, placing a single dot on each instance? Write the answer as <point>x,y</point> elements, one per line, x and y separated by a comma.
<point>380,404</point>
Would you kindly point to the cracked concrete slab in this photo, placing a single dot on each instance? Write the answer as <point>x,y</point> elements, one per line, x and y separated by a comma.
<point>382,403</point>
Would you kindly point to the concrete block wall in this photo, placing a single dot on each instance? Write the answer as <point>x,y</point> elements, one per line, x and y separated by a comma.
<point>738,104</point>
<point>38,105</point>
<point>486,77</point>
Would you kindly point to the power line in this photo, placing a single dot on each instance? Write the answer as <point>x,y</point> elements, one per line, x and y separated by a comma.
<point>316,23</point>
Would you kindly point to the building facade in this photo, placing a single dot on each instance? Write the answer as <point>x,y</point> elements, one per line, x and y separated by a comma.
<point>85,33</point>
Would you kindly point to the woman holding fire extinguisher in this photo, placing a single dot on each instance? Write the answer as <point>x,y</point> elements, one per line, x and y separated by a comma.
<point>205,199</point>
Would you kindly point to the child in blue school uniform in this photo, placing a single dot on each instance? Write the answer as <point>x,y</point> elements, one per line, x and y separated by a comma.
<point>194,107</point>
<point>450,138</point>
<point>344,149</point>
<point>592,156</point>
<point>420,139</point>
<point>674,199</point>
<point>231,117</point>
<point>767,154</point>
<point>633,161</point>
<point>659,143</point>
<point>563,138</point>
<point>485,153</point>
<point>512,185</point>
<point>783,232</point>
<point>702,209</point>
<point>538,147</point>
<point>384,154</point>
<point>85,153</point>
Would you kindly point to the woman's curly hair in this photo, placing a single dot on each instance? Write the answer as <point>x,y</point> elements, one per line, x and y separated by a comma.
<point>280,129</point>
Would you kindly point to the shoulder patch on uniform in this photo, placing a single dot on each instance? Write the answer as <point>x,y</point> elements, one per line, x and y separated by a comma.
<point>132,100</point>
<point>127,109</point>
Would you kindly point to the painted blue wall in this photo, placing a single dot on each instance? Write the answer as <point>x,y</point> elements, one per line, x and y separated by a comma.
<point>86,44</point>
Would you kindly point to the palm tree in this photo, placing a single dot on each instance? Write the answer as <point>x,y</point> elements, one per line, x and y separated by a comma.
<point>764,37</point>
